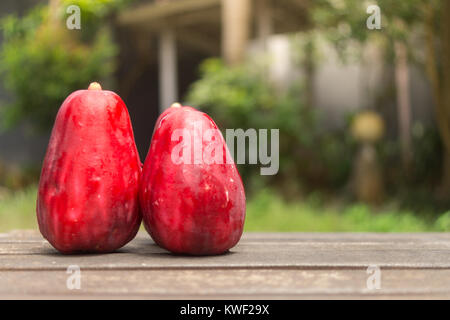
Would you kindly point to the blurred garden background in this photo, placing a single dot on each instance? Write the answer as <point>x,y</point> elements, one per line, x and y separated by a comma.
<point>363,113</point>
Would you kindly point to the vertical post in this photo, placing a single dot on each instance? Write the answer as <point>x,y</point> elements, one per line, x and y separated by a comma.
<point>54,6</point>
<point>236,20</point>
<point>264,22</point>
<point>168,75</point>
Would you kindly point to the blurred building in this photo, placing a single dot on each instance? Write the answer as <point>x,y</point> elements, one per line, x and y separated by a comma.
<point>162,43</point>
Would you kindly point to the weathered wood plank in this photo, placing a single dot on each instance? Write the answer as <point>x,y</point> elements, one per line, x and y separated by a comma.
<point>32,235</point>
<point>254,251</point>
<point>41,246</point>
<point>226,283</point>
<point>263,265</point>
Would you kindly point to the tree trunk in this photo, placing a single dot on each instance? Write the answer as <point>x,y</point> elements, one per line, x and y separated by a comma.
<point>403,102</point>
<point>309,69</point>
<point>444,188</point>
<point>445,88</point>
<point>440,84</point>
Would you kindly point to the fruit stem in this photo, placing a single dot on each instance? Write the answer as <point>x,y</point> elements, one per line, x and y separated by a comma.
<point>95,86</point>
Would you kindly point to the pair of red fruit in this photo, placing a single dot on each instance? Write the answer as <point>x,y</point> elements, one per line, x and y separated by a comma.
<point>93,192</point>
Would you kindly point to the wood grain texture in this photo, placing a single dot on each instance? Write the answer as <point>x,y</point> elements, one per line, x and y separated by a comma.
<point>263,265</point>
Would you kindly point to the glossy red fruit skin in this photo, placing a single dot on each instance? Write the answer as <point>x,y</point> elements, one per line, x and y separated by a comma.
<point>88,189</point>
<point>194,209</point>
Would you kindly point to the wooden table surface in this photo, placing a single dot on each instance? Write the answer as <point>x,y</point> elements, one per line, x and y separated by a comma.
<point>262,266</point>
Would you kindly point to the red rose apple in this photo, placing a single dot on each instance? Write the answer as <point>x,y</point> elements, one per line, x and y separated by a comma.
<point>191,193</point>
<point>88,190</point>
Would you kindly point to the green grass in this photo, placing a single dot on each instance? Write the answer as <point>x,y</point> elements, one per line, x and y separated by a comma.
<point>18,210</point>
<point>268,212</point>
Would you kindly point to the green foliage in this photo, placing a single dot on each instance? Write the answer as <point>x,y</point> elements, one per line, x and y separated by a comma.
<point>267,211</point>
<point>93,10</point>
<point>234,94</point>
<point>94,14</point>
<point>13,177</point>
<point>443,222</point>
<point>42,62</point>
<point>427,159</point>
<point>242,97</point>
<point>348,17</point>
<point>344,22</point>
<point>414,185</point>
